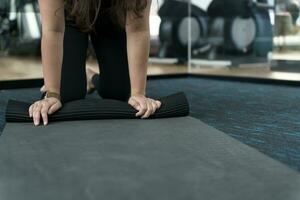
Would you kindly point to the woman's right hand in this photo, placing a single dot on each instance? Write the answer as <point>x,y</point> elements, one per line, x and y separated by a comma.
<point>43,108</point>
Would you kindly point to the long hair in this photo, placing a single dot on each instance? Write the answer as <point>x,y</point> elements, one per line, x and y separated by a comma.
<point>85,12</point>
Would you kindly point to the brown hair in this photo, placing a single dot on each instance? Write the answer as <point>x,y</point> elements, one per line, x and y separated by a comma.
<point>85,12</point>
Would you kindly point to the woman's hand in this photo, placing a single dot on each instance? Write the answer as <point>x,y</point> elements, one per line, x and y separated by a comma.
<point>43,108</point>
<point>145,106</point>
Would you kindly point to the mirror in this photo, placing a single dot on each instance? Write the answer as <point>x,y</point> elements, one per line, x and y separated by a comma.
<point>20,33</point>
<point>287,36</point>
<point>241,40</point>
<point>169,37</point>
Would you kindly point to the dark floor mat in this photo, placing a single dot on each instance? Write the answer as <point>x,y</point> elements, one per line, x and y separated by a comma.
<point>176,158</point>
<point>265,117</point>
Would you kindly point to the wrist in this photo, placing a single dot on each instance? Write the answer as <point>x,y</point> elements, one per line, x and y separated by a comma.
<point>49,94</point>
<point>138,93</point>
<point>52,89</point>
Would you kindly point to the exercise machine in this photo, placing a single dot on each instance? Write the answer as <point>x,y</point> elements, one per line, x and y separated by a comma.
<point>20,27</point>
<point>243,29</point>
<point>174,26</point>
<point>4,26</point>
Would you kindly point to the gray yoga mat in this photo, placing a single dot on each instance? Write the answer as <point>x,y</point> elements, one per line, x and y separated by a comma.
<point>172,158</point>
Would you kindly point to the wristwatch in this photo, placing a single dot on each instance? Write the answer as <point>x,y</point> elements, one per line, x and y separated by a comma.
<point>52,94</point>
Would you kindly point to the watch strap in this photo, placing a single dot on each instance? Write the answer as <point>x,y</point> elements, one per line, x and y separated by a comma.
<point>52,94</point>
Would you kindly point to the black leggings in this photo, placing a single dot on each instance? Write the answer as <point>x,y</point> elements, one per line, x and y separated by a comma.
<point>110,47</point>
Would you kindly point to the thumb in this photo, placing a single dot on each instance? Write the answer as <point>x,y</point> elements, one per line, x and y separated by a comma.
<point>53,108</point>
<point>135,104</point>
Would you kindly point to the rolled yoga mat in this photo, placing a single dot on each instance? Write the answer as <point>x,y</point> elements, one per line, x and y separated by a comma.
<point>172,158</point>
<point>175,105</point>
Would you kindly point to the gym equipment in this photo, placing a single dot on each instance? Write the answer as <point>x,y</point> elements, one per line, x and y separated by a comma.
<point>284,25</point>
<point>4,26</point>
<point>22,26</point>
<point>293,7</point>
<point>245,27</point>
<point>228,8</point>
<point>4,34</point>
<point>4,7</point>
<point>233,34</point>
<point>173,32</point>
<point>171,158</point>
<point>263,43</point>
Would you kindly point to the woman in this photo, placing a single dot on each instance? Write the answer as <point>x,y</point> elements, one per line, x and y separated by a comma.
<point>119,32</point>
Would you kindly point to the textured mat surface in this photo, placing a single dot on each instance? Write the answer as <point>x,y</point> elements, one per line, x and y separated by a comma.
<point>175,158</point>
<point>263,116</point>
<point>175,105</point>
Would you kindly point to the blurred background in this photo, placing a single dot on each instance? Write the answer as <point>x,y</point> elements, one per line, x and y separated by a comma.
<point>244,38</point>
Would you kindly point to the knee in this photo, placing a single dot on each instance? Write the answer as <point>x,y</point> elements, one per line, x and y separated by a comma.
<point>121,93</point>
<point>67,96</point>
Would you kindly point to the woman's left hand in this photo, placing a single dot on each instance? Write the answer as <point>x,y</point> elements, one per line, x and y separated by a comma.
<point>145,106</point>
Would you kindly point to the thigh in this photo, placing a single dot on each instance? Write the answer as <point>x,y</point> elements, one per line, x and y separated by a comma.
<point>73,76</point>
<point>111,50</point>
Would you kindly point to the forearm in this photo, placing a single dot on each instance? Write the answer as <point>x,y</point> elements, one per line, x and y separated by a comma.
<point>138,47</point>
<point>138,44</point>
<point>53,23</point>
<point>52,54</point>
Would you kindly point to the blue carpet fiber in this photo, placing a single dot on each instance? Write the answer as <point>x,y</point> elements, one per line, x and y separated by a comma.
<point>266,117</point>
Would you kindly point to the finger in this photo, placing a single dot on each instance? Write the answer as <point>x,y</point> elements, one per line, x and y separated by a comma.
<point>134,104</point>
<point>53,108</point>
<point>44,113</point>
<point>158,103</point>
<point>154,105</point>
<point>143,108</point>
<point>149,110</point>
<point>43,88</point>
<point>30,111</point>
<point>37,114</point>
